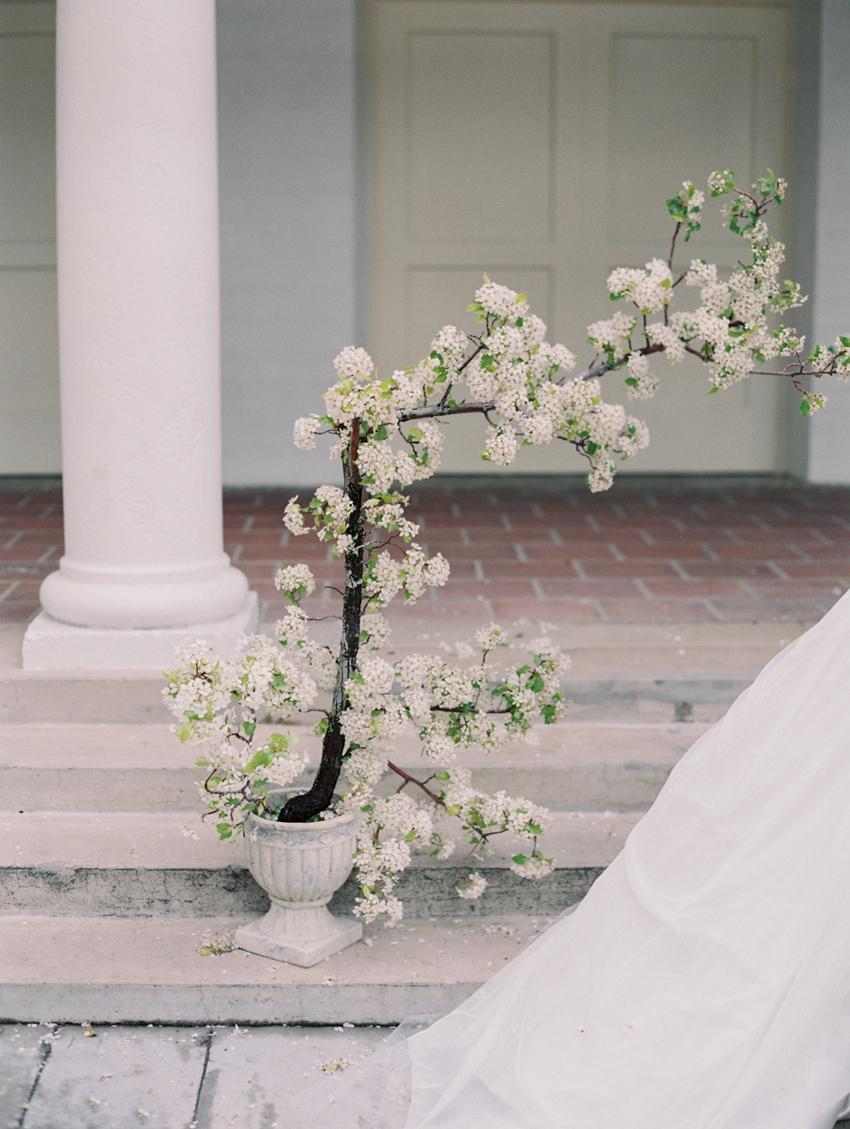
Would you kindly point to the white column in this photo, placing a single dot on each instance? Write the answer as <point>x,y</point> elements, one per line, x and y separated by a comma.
<point>137,247</point>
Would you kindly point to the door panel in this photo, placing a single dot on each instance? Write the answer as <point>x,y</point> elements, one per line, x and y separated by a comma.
<point>538,142</point>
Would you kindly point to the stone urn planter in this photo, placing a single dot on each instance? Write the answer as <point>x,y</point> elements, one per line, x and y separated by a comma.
<point>300,866</point>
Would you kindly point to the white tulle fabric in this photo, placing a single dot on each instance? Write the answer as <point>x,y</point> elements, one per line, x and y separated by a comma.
<point>704,982</point>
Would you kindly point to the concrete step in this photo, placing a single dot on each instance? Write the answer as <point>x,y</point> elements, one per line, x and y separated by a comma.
<point>579,766</point>
<point>83,864</point>
<point>79,969</point>
<point>620,672</point>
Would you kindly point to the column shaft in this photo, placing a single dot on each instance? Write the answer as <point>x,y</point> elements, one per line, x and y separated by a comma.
<point>137,247</point>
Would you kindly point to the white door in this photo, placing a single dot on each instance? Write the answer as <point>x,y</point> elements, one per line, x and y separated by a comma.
<point>538,142</point>
<point>29,365</point>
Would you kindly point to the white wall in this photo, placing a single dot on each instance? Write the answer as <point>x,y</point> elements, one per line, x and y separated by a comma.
<point>287,190</point>
<point>29,361</point>
<point>823,222</point>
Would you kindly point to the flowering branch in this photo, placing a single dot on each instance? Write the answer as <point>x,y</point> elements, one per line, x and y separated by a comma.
<point>528,393</point>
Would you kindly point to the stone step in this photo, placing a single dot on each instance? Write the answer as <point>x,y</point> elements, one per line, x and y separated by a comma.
<point>212,1076</point>
<point>109,696</point>
<point>589,766</point>
<point>134,970</point>
<point>76,864</point>
<point>619,672</point>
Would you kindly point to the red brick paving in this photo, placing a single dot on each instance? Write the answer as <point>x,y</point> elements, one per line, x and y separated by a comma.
<point>651,549</point>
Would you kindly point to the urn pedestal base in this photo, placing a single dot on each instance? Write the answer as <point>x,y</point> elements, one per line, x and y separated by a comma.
<point>300,935</point>
<point>299,865</point>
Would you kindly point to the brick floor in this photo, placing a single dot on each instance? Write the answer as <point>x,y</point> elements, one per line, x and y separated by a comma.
<point>661,549</point>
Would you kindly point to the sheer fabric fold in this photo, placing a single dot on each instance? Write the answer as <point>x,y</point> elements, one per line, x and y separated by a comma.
<point>704,982</point>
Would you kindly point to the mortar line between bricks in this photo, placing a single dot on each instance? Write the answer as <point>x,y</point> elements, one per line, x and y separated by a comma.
<point>801,553</point>
<point>642,588</point>
<point>748,588</point>
<point>779,572</point>
<point>712,610</point>
<point>818,536</point>
<point>603,615</point>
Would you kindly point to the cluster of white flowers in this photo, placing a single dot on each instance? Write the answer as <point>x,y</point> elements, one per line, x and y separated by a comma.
<point>490,637</point>
<point>373,709</point>
<point>391,827</point>
<point>501,446</point>
<point>501,302</point>
<point>304,432</point>
<point>374,630</point>
<point>302,651</point>
<point>472,887</point>
<point>295,581</point>
<point>452,707</point>
<point>601,477</point>
<point>217,704</point>
<point>352,363</point>
<point>389,514</point>
<point>640,383</point>
<point>649,289</point>
<point>330,510</point>
<point>385,577</point>
<point>381,466</point>
<point>686,207</point>
<point>670,337</point>
<point>611,335</point>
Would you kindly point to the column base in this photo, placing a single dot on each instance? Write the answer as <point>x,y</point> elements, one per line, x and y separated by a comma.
<point>51,645</point>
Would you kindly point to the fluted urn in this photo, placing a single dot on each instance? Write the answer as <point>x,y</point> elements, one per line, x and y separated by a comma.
<point>300,866</point>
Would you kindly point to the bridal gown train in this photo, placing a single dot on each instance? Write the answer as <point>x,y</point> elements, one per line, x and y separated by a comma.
<point>704,982</point>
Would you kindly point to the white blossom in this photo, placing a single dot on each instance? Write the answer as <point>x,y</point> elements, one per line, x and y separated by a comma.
<point>353,362</point>
<point>295,579</point>
<point>304,432</point>
<point>472,887</point>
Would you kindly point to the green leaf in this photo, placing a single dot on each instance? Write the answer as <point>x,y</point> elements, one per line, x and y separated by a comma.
<point>203,762</point>
<point>381,433</point>
<point>185,731</point>
<point>519,859</point>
